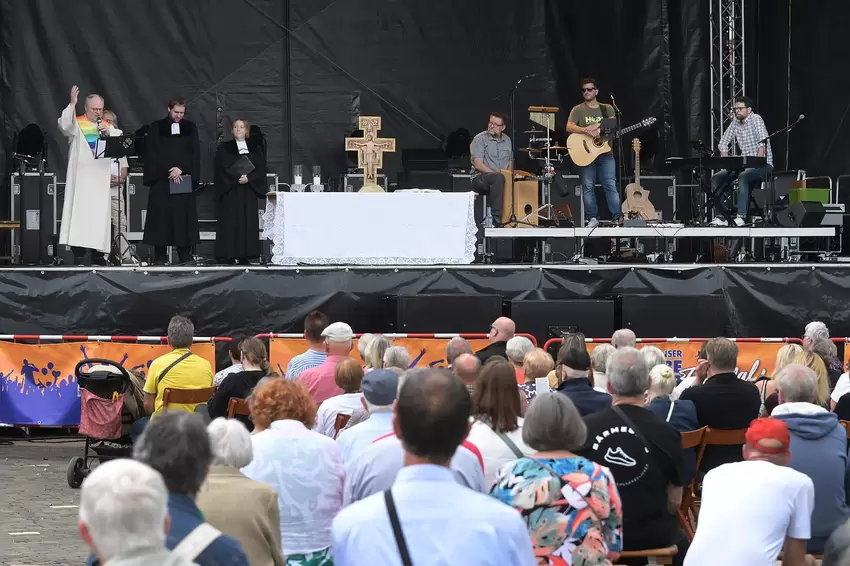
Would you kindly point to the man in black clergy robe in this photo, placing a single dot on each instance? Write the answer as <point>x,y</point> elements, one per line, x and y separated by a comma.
<point>237,233</point>
<point>172,152</point>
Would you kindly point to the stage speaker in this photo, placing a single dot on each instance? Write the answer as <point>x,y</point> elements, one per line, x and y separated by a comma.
<point>805,214</point>
<point>681,316</point>
<point>443,313</point>
<point>592,317</point>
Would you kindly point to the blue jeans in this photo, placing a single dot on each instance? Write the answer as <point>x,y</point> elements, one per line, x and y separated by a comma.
<point>745,178</point>
<point>605,168</point>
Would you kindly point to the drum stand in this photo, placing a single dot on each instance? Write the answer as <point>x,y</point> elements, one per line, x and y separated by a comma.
<point>545,211</point>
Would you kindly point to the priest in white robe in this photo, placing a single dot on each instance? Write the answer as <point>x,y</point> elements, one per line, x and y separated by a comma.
<point>86,212</point>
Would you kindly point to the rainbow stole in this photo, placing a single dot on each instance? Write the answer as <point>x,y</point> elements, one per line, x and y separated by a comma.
<point>89,130</point>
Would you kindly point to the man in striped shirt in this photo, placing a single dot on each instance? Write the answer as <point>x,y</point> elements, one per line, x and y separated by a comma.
<point>316,353</point>
<point>747,130</point>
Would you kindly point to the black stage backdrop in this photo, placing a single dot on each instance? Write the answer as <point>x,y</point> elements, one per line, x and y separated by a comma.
<point>427,67</point>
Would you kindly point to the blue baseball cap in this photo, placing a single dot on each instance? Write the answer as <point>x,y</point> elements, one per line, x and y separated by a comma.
<point>380,387</point>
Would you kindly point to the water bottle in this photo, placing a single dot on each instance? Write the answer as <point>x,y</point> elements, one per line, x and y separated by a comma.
<point>488,219</point>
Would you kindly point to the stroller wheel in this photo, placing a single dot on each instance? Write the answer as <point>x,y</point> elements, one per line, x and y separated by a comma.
<point>76,471</point>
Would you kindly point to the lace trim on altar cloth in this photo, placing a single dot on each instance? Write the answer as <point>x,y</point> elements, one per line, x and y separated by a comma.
<point>274,220</point>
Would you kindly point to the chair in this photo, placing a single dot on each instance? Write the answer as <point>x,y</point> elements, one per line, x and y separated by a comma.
<point>846,425</point>
<point>687,513</point>
<point>238,406</point>
<point>187,396</point>
<point>653,555</point>
<point>715,437</point>
<point>340,422</point>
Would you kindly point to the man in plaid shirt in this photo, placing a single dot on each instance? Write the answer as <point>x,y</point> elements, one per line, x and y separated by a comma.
<point>747,130</point>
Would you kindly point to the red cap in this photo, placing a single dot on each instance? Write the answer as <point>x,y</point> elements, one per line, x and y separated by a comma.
<point>769,429</point>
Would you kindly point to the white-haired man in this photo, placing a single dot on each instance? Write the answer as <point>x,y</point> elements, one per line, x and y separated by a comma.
<point>818,449</point>
<point>456,347</point>
<point>380,388</point>
<point>624,338</point>
<point>516,350</point>
<point>598,360</point>
<point>815,330</point>
<point>124,515</point>
<point>320,383</point>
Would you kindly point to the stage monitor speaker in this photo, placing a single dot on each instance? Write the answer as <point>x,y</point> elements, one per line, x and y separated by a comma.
<point>594,318</point>
<point>681,316</point>
<point>805,214</point>
<point>467,314</point>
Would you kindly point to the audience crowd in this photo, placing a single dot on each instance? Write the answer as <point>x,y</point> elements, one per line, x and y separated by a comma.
<point>506,456</point>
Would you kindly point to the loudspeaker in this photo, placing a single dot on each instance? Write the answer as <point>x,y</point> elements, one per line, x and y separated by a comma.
<point>465,314</point>
<point>806,214</point>
<point>593,318</point>
<point>681,316</point>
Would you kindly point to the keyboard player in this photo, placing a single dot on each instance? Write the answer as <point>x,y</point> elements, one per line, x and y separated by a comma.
<point>747,130</point>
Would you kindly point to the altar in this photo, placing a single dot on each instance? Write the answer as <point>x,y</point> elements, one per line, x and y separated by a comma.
<point>370,228</point>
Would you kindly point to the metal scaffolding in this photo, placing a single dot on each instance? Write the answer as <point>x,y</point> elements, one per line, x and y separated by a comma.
<point>728,69</point>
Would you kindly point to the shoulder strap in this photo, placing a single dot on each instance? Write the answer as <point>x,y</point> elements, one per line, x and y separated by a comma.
<point>197,541</point>
<point>397,532</point>
<point>629,422</point>
<point>514,448</point>
<point>670,411</point>
<point>174,363</point>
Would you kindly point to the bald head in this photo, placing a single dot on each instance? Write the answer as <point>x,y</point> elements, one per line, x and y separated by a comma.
<point>502,329</point>
<point>624,338</point>
<point>466,367</point>
<point>94,107</point>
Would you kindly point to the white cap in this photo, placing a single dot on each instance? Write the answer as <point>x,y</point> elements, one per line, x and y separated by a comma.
<point>338,332</point>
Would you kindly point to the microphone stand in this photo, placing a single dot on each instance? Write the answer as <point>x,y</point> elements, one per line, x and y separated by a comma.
<point>621,172</point>
<point>512,219</point>
<point>769,202</point>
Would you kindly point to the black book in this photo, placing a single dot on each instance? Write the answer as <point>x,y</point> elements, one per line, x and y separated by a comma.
<point>241,166</point>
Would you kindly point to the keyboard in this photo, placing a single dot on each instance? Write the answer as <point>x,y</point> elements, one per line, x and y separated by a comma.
<point>731,162</point>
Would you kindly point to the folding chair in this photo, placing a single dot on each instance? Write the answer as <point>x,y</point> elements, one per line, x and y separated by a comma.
<point>716,437</point>
<point>340,422</point>
<point>238,406</point>
<point>186,396</point>
<point>653,555</point>
<point>687,513</point>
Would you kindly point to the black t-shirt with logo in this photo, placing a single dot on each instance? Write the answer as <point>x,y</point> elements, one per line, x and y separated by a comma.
<point>642,472</point>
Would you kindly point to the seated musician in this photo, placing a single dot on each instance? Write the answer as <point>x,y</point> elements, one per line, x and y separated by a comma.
<point>747,130</point>
<point>491,151</point>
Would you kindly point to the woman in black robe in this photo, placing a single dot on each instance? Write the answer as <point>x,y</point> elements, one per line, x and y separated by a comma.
<point>238,228</point>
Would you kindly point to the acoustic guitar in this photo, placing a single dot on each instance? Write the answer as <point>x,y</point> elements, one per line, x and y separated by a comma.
<point>584,149</point>
<point>637,204</point>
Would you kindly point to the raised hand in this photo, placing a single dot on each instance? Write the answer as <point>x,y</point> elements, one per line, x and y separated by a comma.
<point>75,94</point>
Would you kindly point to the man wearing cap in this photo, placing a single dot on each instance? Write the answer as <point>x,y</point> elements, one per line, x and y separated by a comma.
<point>320,383</point>
<point>754,509</point>
<point>575,382</point>
<point>379,392</point>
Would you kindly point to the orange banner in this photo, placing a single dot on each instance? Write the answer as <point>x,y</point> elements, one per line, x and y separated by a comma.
<point>37,382</point>
<point>424,352</point>
<point>755,359</point>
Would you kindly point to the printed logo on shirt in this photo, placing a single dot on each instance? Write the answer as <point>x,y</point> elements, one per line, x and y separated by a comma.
<point>626,454</point>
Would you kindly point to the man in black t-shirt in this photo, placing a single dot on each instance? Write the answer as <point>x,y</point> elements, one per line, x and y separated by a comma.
<point>644,454</point>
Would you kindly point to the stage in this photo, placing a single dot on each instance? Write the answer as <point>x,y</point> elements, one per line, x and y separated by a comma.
<point>684,300</point>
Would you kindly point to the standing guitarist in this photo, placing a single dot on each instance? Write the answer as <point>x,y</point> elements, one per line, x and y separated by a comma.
<point>585,118</point>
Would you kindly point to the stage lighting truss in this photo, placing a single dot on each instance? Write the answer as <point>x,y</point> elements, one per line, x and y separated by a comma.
<point>728,67</point>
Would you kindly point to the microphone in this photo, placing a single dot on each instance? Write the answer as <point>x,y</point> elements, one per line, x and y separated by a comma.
<point>613,102</point>
<point>101,133</point>
<point>801,117</point>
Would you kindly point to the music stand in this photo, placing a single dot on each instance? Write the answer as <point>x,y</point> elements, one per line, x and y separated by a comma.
<point>116,147</point>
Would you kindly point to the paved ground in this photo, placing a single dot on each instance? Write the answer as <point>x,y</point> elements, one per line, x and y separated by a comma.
<point>38,510</point>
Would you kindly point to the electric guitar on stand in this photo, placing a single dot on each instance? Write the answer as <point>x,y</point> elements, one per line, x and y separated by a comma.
<point>584,149</point>
<point>637,205</point>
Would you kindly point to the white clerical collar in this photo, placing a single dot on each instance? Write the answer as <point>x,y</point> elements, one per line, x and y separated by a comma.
<point>242,146</point>
<point>175,128</point>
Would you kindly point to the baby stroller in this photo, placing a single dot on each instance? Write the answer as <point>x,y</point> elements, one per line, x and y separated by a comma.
<point>105,417</point>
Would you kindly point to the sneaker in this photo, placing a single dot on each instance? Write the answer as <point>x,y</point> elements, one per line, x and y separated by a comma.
<point>592,223</point>
<point>739,222</point>
<point>718,222</point>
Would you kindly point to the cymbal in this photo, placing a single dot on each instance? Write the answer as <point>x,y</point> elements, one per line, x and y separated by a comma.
<point>558,148</point>
<point>534,132</point>
<point>530,150</point>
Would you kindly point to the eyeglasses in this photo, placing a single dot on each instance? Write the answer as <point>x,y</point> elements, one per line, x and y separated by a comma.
<point>497,125</point>
<point>736,108</point>
<point>591,89</point>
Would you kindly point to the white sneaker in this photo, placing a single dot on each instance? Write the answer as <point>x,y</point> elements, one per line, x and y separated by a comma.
<point>718,222</point>
<point>739,222</point>
<point>592,223</point>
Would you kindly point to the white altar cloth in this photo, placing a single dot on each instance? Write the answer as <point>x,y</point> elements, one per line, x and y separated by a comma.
<point>371,228</point>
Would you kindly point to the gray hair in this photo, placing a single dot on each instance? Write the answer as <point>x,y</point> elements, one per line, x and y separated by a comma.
<point>517,348</point>
<point>627,373</point>
<point>552,422</point>
<point>181,332</point>
<point>797,384</point>
<point>363,344</point>
<point>599,356</point>
<point>397,357</point>
<point>176,445</point>
<point>653,356</point>
<point>722,354</point>
<point>624,338</point>
<point>456,347</point>
<point>414,373</point>
<point>91,97</point>
<point>231,443</point>
<point>124,505</point>
<point>816,330</point>
<point>375,352</point>
<point>824,348</point>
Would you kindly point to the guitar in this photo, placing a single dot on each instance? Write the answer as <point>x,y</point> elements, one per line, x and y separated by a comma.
<point>637,203</point>
<point>584,148</point>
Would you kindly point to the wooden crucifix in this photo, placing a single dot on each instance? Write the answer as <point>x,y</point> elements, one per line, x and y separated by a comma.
<point>370,151</point>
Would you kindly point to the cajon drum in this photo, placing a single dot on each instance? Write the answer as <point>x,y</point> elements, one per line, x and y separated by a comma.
<point>526,199</point>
